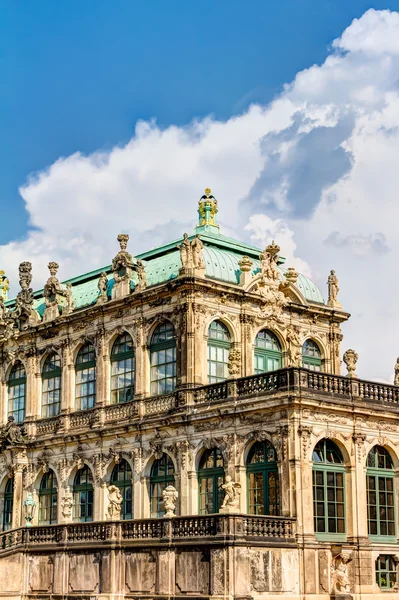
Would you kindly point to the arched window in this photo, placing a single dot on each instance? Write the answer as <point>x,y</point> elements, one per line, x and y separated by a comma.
<point>17,392</point>
<point>311,356</point>
<point>163,359</point>
<point>8,504</point>
<point>218,352</point>
<point>268,354</point>
<point>210,480</point>
<point>122,478</point>
<point>162,475</point>
<point>380,493</point>
<point>51,392</point>
<point>85,369</point>
<point>122,369</point>
<point>263,482</point>
<point>83,495</point>
<point>48,495</point>
<point>328,490</point>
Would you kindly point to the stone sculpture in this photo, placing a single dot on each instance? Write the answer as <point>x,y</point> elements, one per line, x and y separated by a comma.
<point>67,504</point>
<point>52,287</point>
<point>231,501</point>
<point>333,290</point>
<point>11,434</point>
<point>185,252</point>
<point>350,359</point>
<point>122,268</point>
<point>291,275</point>
<point>268,263</point>
<point>340,579</point>
<point>191,254</point>
<point>140,270</point>
<point>170,496</point>
<point>102,287</point>
<point>24,314</point>
<point>115,500</point>
<point>294,347</point>
<point>396,378</point>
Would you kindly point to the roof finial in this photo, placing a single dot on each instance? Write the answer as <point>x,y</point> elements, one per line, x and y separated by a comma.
<point>207,209</point>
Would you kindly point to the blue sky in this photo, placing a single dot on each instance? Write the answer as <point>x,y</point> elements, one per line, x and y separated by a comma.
<point>116,115</point>
<point>76,76</point>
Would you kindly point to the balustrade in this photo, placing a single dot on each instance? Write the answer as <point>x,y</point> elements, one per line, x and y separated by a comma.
<point>211,393</point>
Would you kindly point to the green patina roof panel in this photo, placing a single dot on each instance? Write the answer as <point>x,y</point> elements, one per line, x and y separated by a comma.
<point>221,255</point>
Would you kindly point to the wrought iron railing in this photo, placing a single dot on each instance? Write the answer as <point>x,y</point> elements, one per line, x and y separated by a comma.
<point>175,530</point>
<point>292,380</point>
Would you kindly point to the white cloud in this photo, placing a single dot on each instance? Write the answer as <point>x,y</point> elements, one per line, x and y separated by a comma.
<point>320,161</point>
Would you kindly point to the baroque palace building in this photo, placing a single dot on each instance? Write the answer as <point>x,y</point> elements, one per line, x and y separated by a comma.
<point>177,425</point>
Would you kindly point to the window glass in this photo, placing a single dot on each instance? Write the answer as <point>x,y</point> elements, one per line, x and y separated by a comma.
<point>162,475</point>
<point>51,386</point>
<point>8,504</point>
<point>85,394</point>
<point>218,352</point>
<point>210,479</point>
<point>48,497</point>
<point>263,480</point>
<point>17,392</point>
<point>380,493</point>
<point>122,370</point>
<point>83,495</point>
<point>386,572</point>
<point>267,354</point>
<point>328,489</point>
<point>122,478</point>
<point>163,360</point>
<point>311,356</point>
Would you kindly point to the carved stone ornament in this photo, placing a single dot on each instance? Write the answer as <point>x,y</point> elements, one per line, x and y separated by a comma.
<point>305,432</point>
<point>350,359</point>
<point>291,275</point>
<point>67,504</point>
<point>269,286</point>
<point>340,583</point>
<point>115,500</point>
<point>170,496</point>
<point>232,491</point>
<point>122,268</point>
<point>139,268</point>
<point>234,364</point>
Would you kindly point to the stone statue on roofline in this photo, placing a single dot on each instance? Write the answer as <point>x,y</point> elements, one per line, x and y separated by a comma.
<point>396,378</point>
<point>54,295</point>
<point>139,268</point>
<point>191,256</point>
<point>24,313</point>
<point>102,286</point>
<point>333,290</point>
<point>122,268</point>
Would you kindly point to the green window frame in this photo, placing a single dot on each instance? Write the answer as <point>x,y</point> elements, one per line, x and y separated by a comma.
<point>268,354</point>
<point>263,480</point>
<point>385,571</point>
<point>380,495</point>
<point>329,507</point>
<point>121,477</point>
<point>311,356</point>
<point>17,392</point>
<point>210,479</point>
<point>219,345</point>
<point>162,475</point>
<point>8,504</point>
<point>163,359</point>
<point>48,499</point>
<point>83,495</point>
<point>122,370</point>
<point>85,374</point>
<point>51,386</point>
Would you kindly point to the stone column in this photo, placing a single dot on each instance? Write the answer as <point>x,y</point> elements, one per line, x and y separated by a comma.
<point>357,500</point>
<point>141,353</point>
<point>17,513</point>
<point>197,343</point>
<point>192,499</point>
<point>247,342</point>
<point>67,380</point>
<point>101,380</point>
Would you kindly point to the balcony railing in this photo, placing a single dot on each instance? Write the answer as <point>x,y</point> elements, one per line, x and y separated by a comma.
<point>291,380</point>
<point>177,530</point>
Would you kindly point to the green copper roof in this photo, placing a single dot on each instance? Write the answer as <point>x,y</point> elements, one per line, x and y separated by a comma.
<point>221,255</point>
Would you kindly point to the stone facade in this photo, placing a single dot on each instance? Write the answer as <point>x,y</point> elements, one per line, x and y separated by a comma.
<point>98,535</point>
